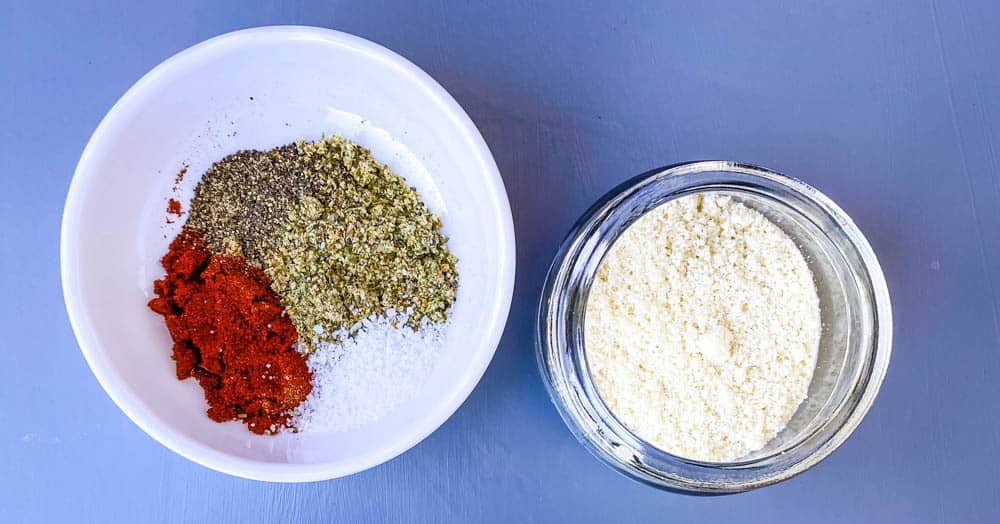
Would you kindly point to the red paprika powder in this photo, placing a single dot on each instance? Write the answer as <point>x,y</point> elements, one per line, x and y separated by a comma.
<point>231,334</point>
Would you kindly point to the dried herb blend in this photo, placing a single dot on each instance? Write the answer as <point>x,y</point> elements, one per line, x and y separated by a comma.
<point>339,234</point>
<point>362,244</point>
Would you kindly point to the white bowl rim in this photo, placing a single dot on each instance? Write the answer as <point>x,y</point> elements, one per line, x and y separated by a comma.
<point>243,467</point>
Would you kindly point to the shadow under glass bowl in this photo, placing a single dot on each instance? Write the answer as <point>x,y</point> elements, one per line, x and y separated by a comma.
<point>853,352</point>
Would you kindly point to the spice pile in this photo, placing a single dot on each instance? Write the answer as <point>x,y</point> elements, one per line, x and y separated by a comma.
<point>309,289</point>
<point>702,328</point>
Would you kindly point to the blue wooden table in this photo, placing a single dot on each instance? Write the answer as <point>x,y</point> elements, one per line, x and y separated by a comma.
<point>891,108</point>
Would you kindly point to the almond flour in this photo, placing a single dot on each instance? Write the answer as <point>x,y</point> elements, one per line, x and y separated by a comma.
<point>702,328</point>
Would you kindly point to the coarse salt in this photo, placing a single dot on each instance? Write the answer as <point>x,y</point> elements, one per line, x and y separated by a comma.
<point>376,365</point>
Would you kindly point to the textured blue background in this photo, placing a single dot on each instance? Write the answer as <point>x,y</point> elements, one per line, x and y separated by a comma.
<point>892,109</point>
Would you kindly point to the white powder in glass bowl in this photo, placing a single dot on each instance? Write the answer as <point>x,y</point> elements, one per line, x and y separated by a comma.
<point>702,328</point>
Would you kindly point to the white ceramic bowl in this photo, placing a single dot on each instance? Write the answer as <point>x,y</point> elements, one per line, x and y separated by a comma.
<point>261,88</point>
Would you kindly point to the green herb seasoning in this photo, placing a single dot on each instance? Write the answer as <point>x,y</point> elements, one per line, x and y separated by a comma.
<point>364,242</point>
<point>339,234</point>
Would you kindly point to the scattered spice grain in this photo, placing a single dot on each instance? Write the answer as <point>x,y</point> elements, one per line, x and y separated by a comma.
<point>174,207</point>
<point>180,176</point>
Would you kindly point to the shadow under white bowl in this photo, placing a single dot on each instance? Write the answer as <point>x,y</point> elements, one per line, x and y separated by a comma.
<point>261,88</point>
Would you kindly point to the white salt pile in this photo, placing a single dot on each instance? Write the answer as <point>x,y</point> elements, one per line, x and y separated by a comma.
<point>377,364</point>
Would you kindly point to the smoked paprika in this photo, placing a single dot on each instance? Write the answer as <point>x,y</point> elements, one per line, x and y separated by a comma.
<point>231,334</point>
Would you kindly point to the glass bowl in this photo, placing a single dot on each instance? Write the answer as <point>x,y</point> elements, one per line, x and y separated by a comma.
<point>854,347</point>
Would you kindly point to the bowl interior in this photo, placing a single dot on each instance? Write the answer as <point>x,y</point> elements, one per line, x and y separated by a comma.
<point>260,89</point>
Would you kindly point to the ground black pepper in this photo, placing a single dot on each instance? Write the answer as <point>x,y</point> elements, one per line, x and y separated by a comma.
<point>241,203</point>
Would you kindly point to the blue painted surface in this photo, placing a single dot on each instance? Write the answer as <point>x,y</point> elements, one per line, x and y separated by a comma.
<point>890,108</point>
